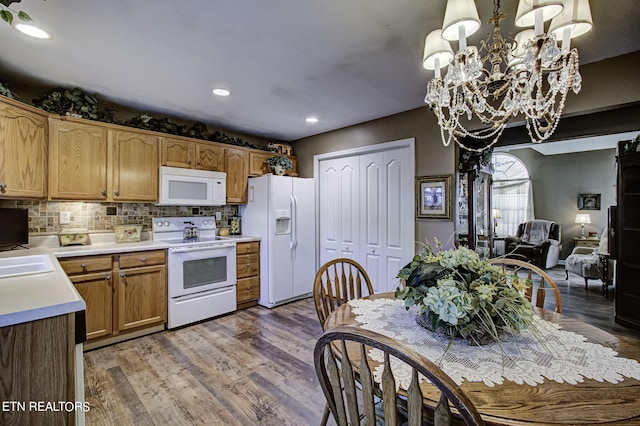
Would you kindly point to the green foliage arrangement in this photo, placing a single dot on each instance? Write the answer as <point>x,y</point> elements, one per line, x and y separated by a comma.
<point>5,91</point>
<point>461,295</point>
<point>278,160</point>
<point>6,13</point>
<point>75,103</point>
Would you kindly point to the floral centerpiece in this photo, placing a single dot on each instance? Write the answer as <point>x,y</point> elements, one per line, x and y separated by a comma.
<point>279,164</point>
<point>461,295</point>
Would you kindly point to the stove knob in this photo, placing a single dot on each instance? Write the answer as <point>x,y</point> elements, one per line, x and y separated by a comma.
<point>206,222</point>
<point>166,223</point>
<point>159,223</point>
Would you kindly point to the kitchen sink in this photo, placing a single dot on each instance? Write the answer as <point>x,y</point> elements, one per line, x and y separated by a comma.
<point>24,265</point>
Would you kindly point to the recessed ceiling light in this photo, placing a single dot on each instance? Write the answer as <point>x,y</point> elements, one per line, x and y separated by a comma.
<point>32,31</point>
<point>221,92</point>
<point>311,119</point>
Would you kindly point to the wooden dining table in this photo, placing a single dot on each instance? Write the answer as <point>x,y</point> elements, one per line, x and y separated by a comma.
<point>587,402</point>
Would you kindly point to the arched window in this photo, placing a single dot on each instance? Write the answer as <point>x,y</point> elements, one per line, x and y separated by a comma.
<point>511,193</point>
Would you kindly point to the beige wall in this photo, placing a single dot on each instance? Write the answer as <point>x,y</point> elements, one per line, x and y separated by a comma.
<point>606,84</point>
<point>558,179</point>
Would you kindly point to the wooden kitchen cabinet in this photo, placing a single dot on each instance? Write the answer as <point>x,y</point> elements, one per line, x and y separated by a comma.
<point>258,164</point>
<point>142,289</point>
<point>92,162</point>
<point>125,293</point>
<point>192,155</point>
<point>38,364</point>
<point>23,152</point>
<point>77,161</point>
<point>236,164</point>
<point>92,277</point>
<point>248,274</point>
<point>134,166</point>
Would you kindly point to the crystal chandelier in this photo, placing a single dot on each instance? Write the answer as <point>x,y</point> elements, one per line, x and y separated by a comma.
<point>528,75</point>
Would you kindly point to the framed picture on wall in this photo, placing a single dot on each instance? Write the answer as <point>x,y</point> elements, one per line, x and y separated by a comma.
<point>588,201</point>
<point>433,197</point>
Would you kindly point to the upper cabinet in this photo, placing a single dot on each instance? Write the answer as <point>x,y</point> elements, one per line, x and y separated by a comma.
<point>77,161</point>
<point>134,172</point>
<point>192,155</point>
<point>92,162</point>
<point>236,164</point>
<point>258,164</point>
<point>23,152</point>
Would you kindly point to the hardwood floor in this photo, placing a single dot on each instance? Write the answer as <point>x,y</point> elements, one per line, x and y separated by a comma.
<point>251,367</point>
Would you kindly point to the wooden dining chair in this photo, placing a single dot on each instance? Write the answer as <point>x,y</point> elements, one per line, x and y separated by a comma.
<point>345,373</point>
<point>540,280</point>
<point>337,282</point>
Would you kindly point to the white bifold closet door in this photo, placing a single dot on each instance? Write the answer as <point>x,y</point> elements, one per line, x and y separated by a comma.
<point>366,212</point>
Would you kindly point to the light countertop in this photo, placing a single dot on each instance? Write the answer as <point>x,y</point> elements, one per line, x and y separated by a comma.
<point>36,296</point>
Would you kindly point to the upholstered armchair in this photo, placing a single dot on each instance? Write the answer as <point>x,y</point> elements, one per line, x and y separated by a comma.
<point>536,241</point>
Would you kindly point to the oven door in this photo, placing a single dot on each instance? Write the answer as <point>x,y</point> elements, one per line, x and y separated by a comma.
<point>195,269</point>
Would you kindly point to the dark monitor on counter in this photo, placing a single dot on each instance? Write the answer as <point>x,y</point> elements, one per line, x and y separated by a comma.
<point>14,228</point>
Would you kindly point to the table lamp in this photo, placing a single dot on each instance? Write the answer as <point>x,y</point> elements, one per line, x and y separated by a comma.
<point>583,218</point>
<point>496,215</point>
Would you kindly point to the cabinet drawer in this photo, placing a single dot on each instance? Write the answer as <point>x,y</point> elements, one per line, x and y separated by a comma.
<point>248,265</point>
<point>142,258</point>
<point>86,265</point>
<point>248,289</point>
<point>245,248</point>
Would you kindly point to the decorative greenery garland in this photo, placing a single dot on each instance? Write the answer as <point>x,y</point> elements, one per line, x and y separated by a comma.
<point>77,103</point>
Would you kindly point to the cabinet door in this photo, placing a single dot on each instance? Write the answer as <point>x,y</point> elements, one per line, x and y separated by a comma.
<point>236,163</point>
<point>96,290</point>
<point>135,166</point>
<point>209,157</point>
<point>23,153</point>
<point>177,153</point>
<point>258,163</point>
<point>142,297</point>
<point>77,161</point>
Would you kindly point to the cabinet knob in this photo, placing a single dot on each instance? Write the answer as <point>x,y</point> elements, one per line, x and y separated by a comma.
<point>103,192</point>
<point>189,162</point>
<point>122,275</point>
<point>143,260</point>
<point>83,265</point>
<point>108,278</point>
<point>116,193</point>
<point>3,187</point>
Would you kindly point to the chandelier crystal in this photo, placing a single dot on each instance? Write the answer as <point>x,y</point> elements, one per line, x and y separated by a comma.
<point>528,76</point>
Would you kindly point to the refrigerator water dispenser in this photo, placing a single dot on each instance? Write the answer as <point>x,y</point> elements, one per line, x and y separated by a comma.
<point>283,221</point>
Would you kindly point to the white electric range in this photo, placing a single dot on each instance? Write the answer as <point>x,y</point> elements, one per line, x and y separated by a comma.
<point>201,268</point>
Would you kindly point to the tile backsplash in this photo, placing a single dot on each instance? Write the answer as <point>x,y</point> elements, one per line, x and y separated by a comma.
<point>44,216</point>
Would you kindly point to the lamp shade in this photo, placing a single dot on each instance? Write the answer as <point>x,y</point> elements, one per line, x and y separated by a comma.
<point>521,39</point>
<point>460,13</point>
<point>435,47</point>
<point>496,213</point>
<point>526,14</point>
<point>576,16</point>
<point>583,218</point>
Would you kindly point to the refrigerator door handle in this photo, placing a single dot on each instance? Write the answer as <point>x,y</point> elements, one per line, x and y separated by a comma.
<point>295,222</point>
<point>292,206</point>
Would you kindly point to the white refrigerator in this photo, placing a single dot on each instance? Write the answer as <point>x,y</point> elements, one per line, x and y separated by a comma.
<point>281,211</point>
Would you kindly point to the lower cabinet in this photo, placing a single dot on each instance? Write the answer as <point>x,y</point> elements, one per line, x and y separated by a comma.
<point>125,293</point>
<point>248,265</point>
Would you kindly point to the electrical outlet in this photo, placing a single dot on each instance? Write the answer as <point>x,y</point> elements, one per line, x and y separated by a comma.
<point>218,215</point>
<point>65,218</point>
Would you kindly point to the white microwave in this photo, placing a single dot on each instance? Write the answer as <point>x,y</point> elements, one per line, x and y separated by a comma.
<point>188,187</point>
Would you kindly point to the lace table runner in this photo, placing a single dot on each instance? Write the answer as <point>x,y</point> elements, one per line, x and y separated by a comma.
<point>542,352</point>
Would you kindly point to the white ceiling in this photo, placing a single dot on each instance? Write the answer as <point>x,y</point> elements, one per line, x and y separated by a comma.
<point>344,61</point>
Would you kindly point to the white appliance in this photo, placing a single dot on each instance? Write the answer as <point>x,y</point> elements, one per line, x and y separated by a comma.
<point>201,269</point>
<point>281,211</point>
<point>180,187</point>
